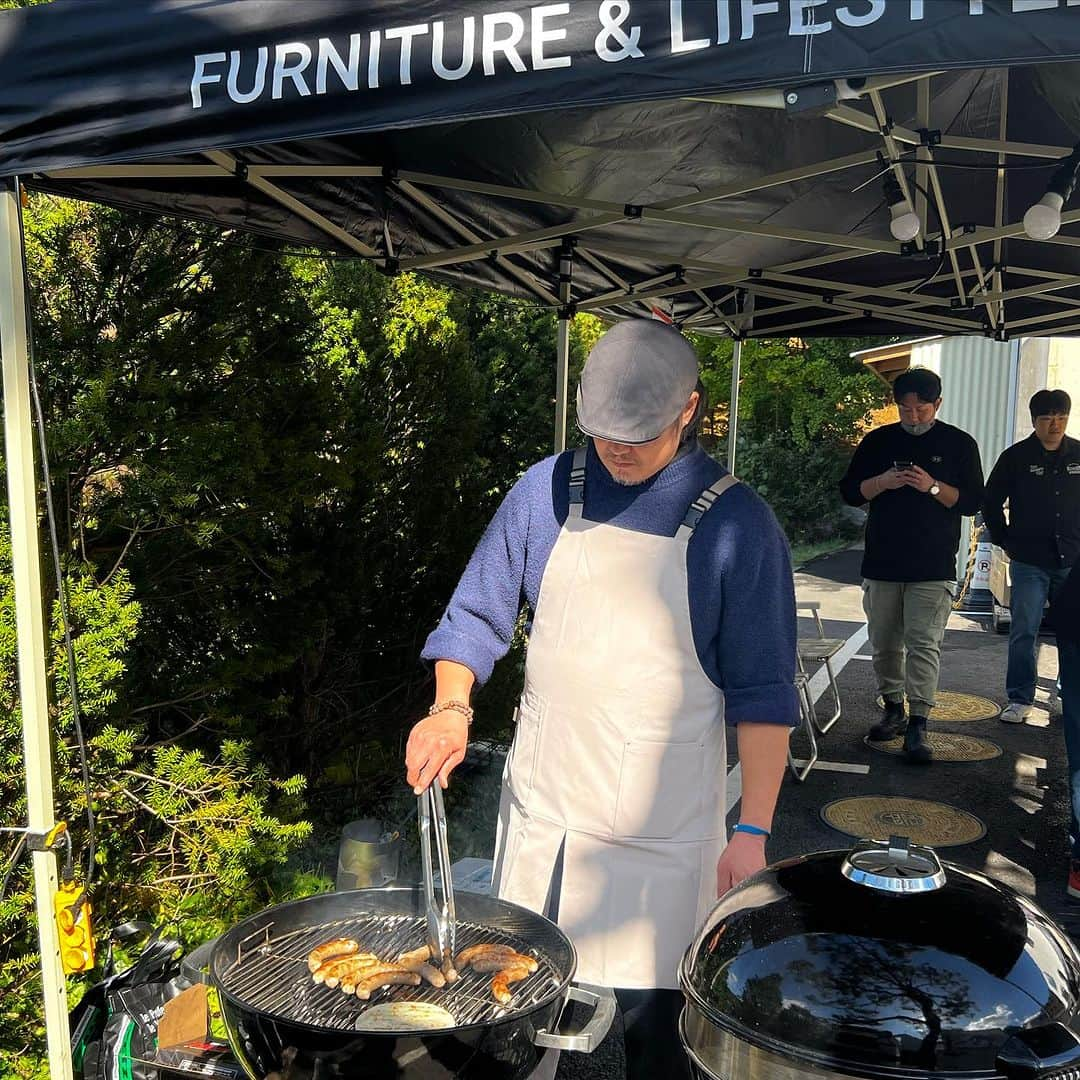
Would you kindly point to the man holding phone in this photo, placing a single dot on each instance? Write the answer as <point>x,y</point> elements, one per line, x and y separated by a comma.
<point>919,477</point>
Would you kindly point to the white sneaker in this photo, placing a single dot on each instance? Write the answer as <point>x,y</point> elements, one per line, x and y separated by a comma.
<point>1015,712</point>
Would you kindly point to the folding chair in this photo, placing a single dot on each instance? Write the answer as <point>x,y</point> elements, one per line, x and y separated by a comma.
<point>806,715</point>
<point>819,650</point>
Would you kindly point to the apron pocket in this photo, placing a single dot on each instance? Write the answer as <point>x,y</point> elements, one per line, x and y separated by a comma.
<point>521,763</point>
<point>660,791</point>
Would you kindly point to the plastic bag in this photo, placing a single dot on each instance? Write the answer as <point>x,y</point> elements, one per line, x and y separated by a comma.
<point>114,1026</point>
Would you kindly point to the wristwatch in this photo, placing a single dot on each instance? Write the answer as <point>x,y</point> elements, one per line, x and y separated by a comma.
<point>935,488</point>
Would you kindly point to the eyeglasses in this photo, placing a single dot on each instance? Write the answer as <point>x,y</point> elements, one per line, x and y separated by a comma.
<point>1052,416</point>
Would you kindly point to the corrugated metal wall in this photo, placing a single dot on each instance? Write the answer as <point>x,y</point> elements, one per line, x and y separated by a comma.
<point>975,379</point>
<point>974,397</point>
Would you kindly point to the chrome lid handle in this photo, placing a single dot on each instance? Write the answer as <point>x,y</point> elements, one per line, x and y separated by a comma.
<point>894,866</point>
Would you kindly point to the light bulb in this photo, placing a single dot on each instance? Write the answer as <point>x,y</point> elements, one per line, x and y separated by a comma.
<point>1043,219</point>
<point>905,222</point>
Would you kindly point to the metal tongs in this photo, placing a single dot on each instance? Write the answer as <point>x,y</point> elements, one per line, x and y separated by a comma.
<point>441,918</point>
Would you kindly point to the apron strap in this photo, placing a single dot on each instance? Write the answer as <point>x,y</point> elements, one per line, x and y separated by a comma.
<point>577,482</point>
<point>701,504</point>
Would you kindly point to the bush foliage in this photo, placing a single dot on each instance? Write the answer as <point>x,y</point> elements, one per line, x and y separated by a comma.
<point>802,407</point>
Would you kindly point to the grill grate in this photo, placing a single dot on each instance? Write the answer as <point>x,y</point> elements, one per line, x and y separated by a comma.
<point>270,973</point>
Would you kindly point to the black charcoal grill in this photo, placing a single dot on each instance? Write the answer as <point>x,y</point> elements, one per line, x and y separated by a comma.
<point>283,1026</point>
<point>881,963</point>
<point>269,972</point>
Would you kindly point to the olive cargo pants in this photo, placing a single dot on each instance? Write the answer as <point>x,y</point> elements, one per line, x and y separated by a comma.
<point>906,623</point>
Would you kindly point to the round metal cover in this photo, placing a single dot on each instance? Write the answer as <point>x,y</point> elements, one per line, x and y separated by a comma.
<point>930,824</point>
<point>954,708</point>
<point>946,745</point>
<point>804,963</point>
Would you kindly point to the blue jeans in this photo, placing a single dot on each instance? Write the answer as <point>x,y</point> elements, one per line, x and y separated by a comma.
<point>1069,675</point>
<point>1031,585</point>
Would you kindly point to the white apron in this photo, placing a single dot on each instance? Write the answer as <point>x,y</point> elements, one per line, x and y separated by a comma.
<point>618,764</point>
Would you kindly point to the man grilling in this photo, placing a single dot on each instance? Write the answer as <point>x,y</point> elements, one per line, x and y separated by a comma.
<point>662,606</point>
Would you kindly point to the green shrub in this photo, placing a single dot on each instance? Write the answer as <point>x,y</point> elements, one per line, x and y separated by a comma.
<point>799,483</point>
<point>182,836</point>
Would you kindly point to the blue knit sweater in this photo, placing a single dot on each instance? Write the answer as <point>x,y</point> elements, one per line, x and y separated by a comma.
<point>742,602</point>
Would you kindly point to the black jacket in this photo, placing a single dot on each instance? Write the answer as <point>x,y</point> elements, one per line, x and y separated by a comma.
<point>910,536</point>
<point>1043,491</point>
<point>1064,615</point>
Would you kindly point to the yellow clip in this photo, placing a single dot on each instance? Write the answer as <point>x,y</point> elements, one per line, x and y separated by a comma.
<point>36,841</point>
<point>71,906</point>
<point>54,834</point>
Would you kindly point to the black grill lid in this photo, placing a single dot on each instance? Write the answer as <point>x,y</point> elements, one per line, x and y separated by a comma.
<point>883,959</point>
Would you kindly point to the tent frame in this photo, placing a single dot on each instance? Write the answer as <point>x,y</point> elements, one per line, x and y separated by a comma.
<point>29,615</point>
<point>973,256</point>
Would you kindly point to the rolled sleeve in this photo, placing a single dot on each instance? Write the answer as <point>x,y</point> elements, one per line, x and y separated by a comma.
<point>777,704</point>
<point>756,636</point>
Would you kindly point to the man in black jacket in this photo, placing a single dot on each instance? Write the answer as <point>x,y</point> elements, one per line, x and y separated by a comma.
<point>1039,477</point>
<point>1064,617</point>
<point>919,477</point>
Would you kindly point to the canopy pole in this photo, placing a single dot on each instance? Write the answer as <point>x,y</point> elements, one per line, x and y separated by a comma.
<point>562,343</point>
<point>29,620</point>
<point>733,410</point>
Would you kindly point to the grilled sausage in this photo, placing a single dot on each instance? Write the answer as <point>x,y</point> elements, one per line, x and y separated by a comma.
<point>500,985</point>
<point>354,978</point>
<point>415,960</point>
<point>334,970</point>
<point>415,956</point>
<point>370,983</point>
<point>449,972</point>
<point>428,972</point>
<point>486,965</point>
<point>329,950</point>
<point>484,951</point>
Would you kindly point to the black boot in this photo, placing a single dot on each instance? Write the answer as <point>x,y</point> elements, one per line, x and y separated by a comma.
<point>916,747</point>
<point>891,724</point>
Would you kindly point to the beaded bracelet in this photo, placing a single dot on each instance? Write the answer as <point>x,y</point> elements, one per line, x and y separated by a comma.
<point>753,830</point>
<point>452,706</point>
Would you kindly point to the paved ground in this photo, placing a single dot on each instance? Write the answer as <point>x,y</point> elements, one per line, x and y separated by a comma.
<point>1020,796</point>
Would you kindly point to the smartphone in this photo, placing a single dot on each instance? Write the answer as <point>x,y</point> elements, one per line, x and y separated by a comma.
<point>900,466</point>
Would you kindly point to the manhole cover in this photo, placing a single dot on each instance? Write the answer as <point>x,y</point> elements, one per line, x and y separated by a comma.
<point>952,707</point>
<point>877,817</point>
<point>946,746</point>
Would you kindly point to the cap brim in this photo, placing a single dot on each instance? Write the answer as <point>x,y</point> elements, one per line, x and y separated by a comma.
<point>608,437</point>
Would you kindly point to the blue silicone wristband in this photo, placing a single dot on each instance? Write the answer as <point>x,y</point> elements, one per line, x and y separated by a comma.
<point>753,830</point>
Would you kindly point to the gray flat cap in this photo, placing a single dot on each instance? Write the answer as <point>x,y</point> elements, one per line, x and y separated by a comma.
<point>636,381</point>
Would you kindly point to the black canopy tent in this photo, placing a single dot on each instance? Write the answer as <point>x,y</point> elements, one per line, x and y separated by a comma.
<point>732,162</point>
<point>710,155</point>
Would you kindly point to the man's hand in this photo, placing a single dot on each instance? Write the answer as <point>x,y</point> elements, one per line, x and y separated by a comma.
<point>890,479</point>
<point>744,855</point>
<point>436,747</point>
<point>915,477</point>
